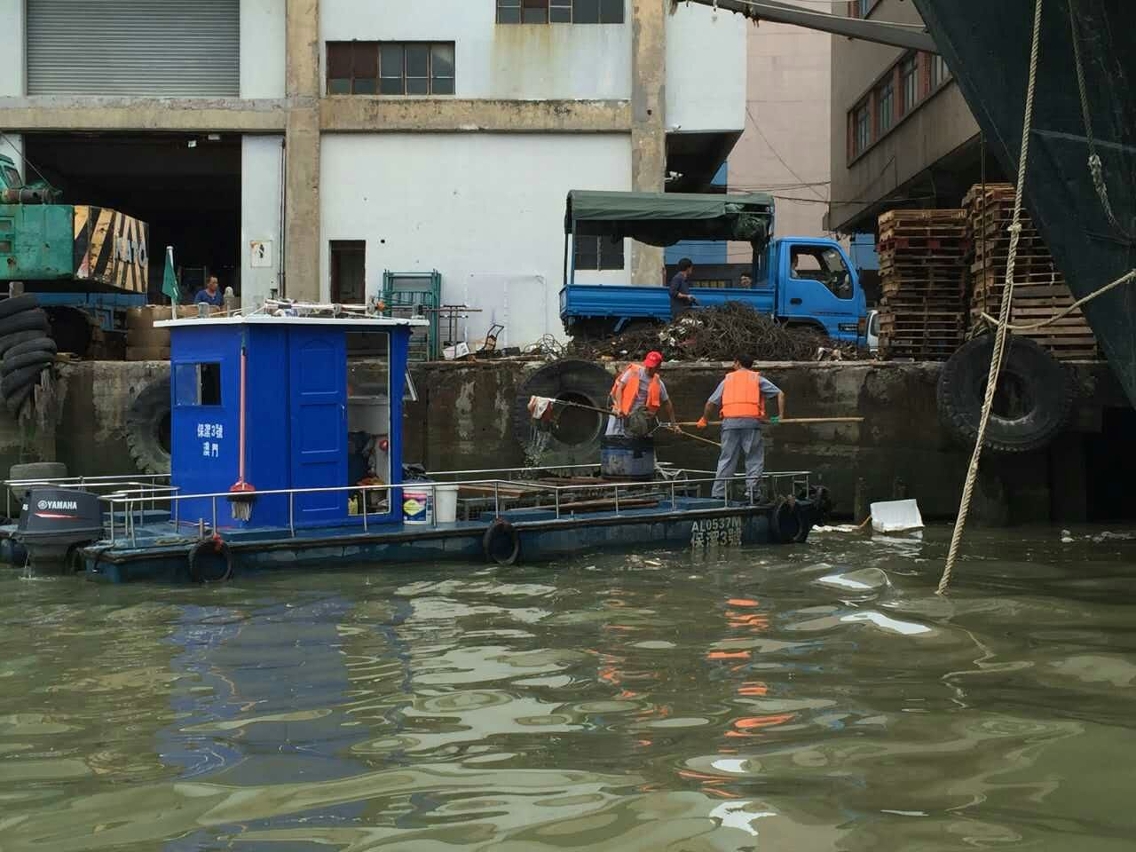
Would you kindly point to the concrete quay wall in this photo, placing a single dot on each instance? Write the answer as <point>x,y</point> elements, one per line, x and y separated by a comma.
<point>466,418</point>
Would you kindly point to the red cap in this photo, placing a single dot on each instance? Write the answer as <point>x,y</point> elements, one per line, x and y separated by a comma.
<point>653,359</point>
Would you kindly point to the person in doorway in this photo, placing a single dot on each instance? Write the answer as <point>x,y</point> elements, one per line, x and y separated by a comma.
<point>210,294</point>
<point>681,300</point>
<point>741,397</point>
<point>639,387</point>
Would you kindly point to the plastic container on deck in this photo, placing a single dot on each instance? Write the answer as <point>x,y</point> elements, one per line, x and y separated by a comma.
<point>446,503</point>
<point>417,503</point>
<point>627,458</point>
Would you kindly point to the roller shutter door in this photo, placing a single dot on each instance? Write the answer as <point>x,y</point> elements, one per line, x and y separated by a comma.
<point>160,48</point>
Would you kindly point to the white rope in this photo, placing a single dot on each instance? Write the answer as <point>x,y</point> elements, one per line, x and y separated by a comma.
<point>1123,279</point>
<point>1003,314</point>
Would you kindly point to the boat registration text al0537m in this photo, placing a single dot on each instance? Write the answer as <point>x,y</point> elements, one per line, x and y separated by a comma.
<point>716,531</point>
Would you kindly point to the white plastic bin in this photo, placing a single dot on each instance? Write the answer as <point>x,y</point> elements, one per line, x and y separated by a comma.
<point>446,503</point>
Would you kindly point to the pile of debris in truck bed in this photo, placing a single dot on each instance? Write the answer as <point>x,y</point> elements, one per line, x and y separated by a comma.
<point>718,334</point>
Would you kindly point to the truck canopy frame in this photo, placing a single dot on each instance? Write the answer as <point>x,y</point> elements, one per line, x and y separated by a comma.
<point>663,219</point>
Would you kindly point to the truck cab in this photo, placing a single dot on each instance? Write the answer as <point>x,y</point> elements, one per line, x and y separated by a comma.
<point>804,282</point>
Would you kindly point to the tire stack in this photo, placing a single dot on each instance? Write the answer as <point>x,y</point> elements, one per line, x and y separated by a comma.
<point>26,350</point>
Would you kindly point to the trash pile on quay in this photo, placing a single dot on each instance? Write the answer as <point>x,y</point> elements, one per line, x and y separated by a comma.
<point>719,334</point>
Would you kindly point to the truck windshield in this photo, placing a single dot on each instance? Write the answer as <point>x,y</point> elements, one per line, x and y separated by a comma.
<point>12,177</point>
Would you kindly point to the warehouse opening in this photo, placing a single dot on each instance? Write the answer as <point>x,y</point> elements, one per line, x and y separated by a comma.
<point>187,188</point>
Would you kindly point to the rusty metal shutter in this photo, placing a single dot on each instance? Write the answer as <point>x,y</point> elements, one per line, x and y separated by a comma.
<point>158,48</point>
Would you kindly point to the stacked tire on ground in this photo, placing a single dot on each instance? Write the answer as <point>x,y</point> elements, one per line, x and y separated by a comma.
<point>26,350</point>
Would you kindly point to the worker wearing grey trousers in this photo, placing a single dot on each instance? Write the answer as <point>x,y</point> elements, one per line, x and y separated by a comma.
<point>741,396</point>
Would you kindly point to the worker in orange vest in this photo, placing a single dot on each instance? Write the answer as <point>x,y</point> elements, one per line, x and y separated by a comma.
<point>639,386</point>
<point>741,396</point>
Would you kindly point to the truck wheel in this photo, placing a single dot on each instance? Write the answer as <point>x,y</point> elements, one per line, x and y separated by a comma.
<point>1033,404</point>
<point>576,438</point>
<point>28,359</point>
<point>14,304</point>
<point>33,320</point>
<point>148,428</point>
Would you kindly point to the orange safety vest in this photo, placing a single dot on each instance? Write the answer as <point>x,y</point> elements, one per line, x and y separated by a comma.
<point>625,399</point>
<point>742,395</point>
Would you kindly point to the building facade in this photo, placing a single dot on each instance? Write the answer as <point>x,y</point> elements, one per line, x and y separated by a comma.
<point>902,134</point>
<point>311,146</point>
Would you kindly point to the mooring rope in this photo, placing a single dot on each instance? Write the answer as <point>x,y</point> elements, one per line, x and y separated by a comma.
<point>1003,314</point>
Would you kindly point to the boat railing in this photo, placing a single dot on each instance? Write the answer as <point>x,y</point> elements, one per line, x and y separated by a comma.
<point>130,503</point>
<point>142,481</point>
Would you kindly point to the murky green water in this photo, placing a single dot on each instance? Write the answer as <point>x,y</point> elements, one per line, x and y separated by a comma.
<point>808,699</point>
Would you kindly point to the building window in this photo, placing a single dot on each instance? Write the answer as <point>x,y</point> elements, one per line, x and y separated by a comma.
<point>348,272</point>
<point>885,101</point>
<point>940,73</point>
<point>909,77</point>
<point>861,129</point>
<point>560,11</point>
<point>598,253</point>
<point>390,68</point>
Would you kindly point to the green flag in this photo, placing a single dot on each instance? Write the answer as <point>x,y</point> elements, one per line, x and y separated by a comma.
<point>169,278</point>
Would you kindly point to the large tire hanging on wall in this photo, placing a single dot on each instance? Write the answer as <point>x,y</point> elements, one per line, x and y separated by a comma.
<point>576,438</point>
<point>148,428</point>
<point>1032,406</point>
<point>71,329</point>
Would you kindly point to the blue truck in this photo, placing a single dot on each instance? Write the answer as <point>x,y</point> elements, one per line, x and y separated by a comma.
<point>804,282</point>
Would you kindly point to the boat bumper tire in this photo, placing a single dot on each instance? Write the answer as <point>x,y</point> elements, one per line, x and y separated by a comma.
<point>788,522</point>
<point>501,543</point>
<point>210,561</point>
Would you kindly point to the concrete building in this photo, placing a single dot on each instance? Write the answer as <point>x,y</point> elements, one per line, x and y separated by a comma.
<point>310,146</point>
<point>902,134</point>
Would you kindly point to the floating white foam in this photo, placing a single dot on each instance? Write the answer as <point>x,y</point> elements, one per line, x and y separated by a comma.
<point>882,621</point>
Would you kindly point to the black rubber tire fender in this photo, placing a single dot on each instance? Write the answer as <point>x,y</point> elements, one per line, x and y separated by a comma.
<point>1049,393</point>
<point>28,359</point>
<point>15,304</point>
<point>16,381</point>
<point>501,543</point>
<point>16,401</point>
<point>71,328</point>
<point>35,344</point>
<point>20,337</point>
<point>210,561</point>
<point>33,320</point>
<point>786,522</point>
<point>146,420</point>
<point>580,381</point>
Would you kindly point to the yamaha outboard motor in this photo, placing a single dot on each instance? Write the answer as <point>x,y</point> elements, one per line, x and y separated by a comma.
<point>55,523</point>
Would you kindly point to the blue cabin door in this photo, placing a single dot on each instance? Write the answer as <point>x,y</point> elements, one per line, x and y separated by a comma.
<point>318,387</point>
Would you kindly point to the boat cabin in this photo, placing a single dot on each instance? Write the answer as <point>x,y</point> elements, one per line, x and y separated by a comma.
<point>284,379</point>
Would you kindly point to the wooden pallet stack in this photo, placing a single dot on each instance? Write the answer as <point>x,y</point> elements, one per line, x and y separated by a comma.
<point>923,256</point>
<point>1040,290</point>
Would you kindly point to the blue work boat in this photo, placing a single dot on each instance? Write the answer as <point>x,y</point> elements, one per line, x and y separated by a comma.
<point>266,441</point>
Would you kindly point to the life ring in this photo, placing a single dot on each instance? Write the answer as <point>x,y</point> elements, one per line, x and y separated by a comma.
<point>1039,399</point>
<point>210,561</point>
<point>787,523</point>
<point>501,543</point>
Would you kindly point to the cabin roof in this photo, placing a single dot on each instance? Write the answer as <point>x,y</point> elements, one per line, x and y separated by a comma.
<point>265,319</point>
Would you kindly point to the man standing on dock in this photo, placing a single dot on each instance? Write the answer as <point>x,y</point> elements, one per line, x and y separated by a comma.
<point>741,396</point>
<point>639,387</point>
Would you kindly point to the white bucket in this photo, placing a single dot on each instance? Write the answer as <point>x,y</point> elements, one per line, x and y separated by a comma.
<point>417,504</point>
<point>446,503</point>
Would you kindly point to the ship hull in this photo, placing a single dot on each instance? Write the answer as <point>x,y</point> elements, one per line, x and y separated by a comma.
<point>987,47</point>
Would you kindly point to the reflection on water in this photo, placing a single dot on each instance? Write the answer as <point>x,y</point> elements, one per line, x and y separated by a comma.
<point>810,698</point>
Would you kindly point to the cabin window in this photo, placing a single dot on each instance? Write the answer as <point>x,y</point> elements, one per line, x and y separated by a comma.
<point>197,384</point>
<point>909,73</point>
<point>595,253</point>
<point>560,11</point>
<point>12,178</point>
